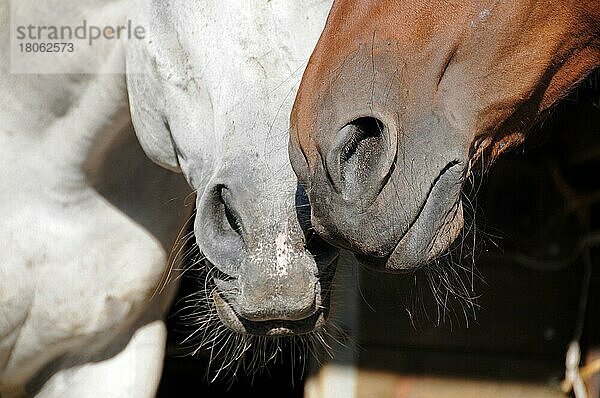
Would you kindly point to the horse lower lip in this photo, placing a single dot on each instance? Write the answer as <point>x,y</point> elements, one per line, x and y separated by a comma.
<point>227,315</point>
<point>280,332</point>
<point>231,319</point>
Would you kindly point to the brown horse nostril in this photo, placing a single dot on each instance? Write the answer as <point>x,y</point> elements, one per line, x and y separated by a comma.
<point>363,131</point>
<point>358,158</point>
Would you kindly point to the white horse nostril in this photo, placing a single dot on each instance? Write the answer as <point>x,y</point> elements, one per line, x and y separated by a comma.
<point>232,217</point>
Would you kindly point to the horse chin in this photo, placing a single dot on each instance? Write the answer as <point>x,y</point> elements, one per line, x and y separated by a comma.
<point>272,328</point>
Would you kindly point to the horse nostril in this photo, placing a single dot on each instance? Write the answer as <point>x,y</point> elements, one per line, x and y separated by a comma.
<point>231,215</point>
<point>359,156</point>
<point>363,132</point>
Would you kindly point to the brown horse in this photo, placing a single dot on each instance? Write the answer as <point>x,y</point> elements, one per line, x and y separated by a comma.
<point>401,100</point>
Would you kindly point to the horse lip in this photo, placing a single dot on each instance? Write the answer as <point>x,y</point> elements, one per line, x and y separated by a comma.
<point>383,260</point>
<point>274,328</point>
<point>227,315</point>
<point>281,331</point>
<point>230,318</point>
<point>450,167</point>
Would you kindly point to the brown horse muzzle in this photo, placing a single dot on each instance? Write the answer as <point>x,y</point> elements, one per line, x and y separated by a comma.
<point>382,164</point>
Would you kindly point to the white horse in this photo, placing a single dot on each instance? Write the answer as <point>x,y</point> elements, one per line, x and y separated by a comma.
<point>87,224</point>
